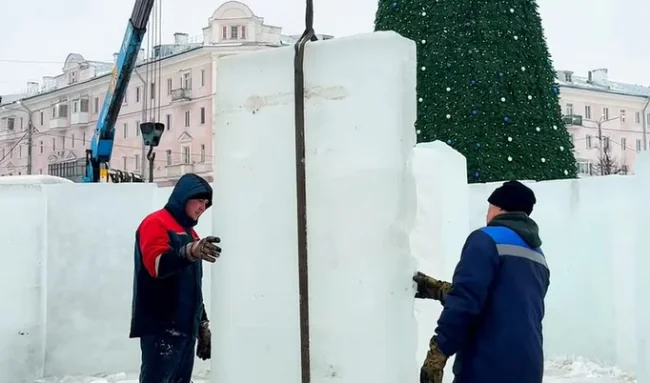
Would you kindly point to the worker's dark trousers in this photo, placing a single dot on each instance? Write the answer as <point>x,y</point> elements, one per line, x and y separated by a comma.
<point>167,359</point>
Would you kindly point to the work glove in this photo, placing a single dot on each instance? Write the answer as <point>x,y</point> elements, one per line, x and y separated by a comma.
<point>430,288</point>
<point>204,249</point>
<point>433,366</point>
<point>204,348</point>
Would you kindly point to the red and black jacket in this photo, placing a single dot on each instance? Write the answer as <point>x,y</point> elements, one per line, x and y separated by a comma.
<point>167,293</point>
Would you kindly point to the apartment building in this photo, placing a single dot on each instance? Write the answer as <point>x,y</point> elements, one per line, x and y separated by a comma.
<point>174,85</point>
<point>608,121</point>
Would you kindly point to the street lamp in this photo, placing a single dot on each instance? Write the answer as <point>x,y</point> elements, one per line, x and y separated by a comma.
<point>600,123</point>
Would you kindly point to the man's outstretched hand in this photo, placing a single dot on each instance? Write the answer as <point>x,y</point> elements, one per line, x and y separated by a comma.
<point>430,288</point>
<point>204,249</point>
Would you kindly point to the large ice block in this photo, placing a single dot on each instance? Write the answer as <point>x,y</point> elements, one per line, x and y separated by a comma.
<point>360,110</point>
<point>441,227</point>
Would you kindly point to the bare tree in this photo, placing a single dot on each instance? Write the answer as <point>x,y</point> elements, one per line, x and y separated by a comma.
<point>607,163</point>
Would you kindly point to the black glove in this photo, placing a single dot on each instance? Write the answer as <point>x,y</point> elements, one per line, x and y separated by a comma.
<point>204,348</point>
<point>204,249</point>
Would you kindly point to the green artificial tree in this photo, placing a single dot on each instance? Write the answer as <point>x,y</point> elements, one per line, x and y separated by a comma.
<point>486,85</point>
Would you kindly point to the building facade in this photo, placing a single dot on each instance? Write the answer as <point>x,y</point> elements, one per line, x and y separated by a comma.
<point>174,85</point>
<point>608,121</point>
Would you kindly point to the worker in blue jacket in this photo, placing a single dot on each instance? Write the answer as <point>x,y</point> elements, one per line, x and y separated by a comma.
<point>494,306</point>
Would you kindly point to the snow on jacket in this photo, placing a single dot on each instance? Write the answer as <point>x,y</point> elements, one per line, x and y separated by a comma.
<point>492,316</point>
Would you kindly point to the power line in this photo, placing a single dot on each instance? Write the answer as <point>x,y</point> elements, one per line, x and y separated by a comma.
<point>30,61</point>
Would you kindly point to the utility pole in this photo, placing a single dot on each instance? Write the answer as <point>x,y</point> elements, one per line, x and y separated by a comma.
<point>30,137</point>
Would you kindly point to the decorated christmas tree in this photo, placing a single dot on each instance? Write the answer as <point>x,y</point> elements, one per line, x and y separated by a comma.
<point>486,85</point>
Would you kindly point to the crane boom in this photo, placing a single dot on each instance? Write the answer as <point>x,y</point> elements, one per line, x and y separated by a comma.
<point>101,146</point>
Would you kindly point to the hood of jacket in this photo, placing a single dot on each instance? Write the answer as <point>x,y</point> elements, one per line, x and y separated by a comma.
<point>188,187</point>
<point>521,224</point>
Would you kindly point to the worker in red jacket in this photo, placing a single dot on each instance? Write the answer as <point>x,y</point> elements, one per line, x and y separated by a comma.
<point>168,314</point>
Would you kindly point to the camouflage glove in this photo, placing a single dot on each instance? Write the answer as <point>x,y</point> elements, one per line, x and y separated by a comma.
<point>431,288</point>
<point>204,348</point>
<point>433,366</point>
<point>204,249</point>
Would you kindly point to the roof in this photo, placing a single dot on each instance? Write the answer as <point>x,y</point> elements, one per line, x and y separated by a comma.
<point>606,86</point>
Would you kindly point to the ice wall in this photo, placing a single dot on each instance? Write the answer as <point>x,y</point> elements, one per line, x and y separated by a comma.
<point>22,229</point>
<point>67,276</point>
<point>360,110</point>
<point>441,227</point>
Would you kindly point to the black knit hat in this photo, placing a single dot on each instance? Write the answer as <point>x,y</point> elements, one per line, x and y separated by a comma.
<point>513,196</point>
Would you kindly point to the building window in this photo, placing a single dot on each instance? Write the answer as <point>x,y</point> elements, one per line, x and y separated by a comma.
<point>234,32</point>
<point>96,105</point>
<point>169,121</point>
<point>202,77</point>
<point>137,162</point>
<point>138,94</point>
<point>169,86</point>
<point>637,117</point>
<point>41,118</point>
<point>63,143</point>
<point>137,128</point>
<point>243,32</point>
<point>605,114</point>
<point>126,130</point>
<point>126,97</point>
<point>83,138</point>
<point>187,119</point>
<point>83,105</point>
<point>10,123</point>
<point>124,163</point>
<point>22,127</point>
<point>606,144</point>
<point>187,80</point>
<point>202,115</point>
<point>623,143</point>
<point>152,88</point>
<point>186,154</point>
<point>224,33</point>
<point>587,111</point>
<point>53,144</point>
<point>202,152</point>
<point>622,115</point>
<point>41,147</point>
<point>169,157</point>
<point>638,145</point>
<point>588,141</point>
<point>569,109</point>
<point>72,139</point>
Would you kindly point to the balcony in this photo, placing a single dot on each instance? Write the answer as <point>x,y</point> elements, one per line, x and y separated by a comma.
<point>80,111</point>
<point>59,116</point>
<point>181,94</point>
<point>572,120</point>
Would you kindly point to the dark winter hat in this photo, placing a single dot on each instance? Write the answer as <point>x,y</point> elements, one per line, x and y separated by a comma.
<point>513,196</point>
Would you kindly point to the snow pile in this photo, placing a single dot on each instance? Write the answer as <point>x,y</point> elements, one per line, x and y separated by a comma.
<point>582,370</point>
<point>104,378</point>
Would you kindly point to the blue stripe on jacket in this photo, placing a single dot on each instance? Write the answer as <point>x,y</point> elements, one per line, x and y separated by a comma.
<point>492,317</point>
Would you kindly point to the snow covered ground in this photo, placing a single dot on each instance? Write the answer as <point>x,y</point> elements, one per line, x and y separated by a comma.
<point>558,370</point>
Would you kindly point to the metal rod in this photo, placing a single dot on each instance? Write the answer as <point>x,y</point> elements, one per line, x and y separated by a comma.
<point>301,192</point>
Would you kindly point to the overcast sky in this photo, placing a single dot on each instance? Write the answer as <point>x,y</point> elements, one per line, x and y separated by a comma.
<point>39,34</point>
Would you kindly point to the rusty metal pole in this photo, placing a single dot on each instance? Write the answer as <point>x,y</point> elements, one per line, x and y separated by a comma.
<point>301,192</point>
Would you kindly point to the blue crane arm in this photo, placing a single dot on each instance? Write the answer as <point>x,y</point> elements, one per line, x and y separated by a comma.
<point>101,146</point>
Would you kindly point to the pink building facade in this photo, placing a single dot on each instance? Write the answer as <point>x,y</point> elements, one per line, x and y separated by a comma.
<point>608,121</point>
<point>175,85</point>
